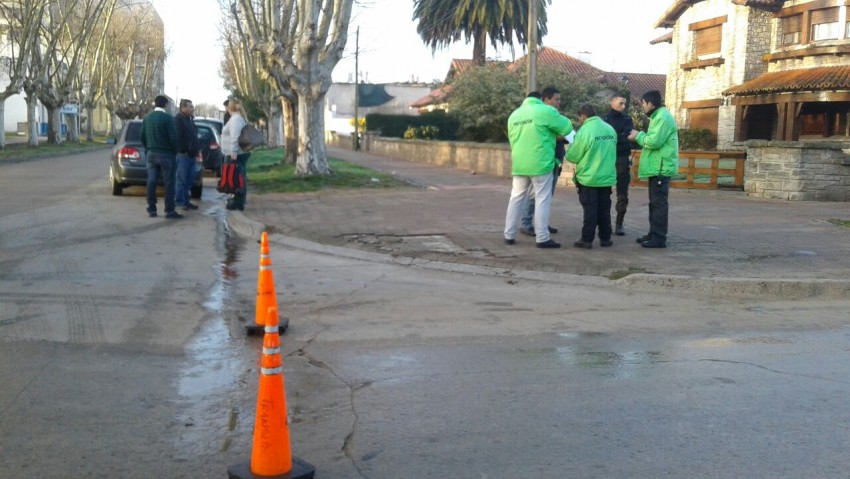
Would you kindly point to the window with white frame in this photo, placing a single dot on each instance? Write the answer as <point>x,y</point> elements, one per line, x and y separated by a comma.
<point>825,24</point>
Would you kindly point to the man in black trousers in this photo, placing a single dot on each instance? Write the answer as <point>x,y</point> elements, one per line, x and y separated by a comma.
<point>623,125</point>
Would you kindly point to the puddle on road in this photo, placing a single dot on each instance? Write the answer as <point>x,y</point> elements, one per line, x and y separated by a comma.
<point>215,358</point>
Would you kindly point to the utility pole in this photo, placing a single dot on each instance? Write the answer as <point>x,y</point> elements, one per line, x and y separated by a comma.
<point>357,90</point>
<point>531,85</point>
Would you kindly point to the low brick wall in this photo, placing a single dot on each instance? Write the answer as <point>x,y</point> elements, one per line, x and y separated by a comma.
<point>486,158</point>
<point>806,170</point>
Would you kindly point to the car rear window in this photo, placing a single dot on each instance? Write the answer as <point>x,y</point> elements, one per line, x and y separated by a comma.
<point>205,135</point>
<point>134,132</point>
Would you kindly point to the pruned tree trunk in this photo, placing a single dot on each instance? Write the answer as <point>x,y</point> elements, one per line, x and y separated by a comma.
<point>3,123</point>
<point>89,124</point>
<point>290,131</point>
<point>312,159</point>
<point>275,129</point>
<point>73,135</point>
<point>32,122</point>
<point>54,125</point>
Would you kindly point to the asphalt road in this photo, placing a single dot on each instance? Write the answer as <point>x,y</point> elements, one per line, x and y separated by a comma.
<point>122,355</point>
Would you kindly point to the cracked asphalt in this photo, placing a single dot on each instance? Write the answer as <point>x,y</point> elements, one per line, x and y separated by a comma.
<point>422,346</point>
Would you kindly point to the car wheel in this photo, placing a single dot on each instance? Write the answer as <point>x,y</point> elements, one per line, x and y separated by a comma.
<point>117,188</point>
<point>197,191</point>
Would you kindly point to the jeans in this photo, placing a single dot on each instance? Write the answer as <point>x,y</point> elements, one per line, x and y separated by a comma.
<point>161,164</point>
<point>528,216</point>
<point>596,203</point>
<point>185,178</point>
<point>659,188</point>
<point>238,200</point>
<point>624,177</point>
<point>542,186</point>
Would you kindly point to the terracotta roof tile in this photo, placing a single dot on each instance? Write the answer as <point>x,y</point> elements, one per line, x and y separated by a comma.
<point>809,79</point>
<point>639,83</point>
<point>666,38</point>
<point>553,58</point>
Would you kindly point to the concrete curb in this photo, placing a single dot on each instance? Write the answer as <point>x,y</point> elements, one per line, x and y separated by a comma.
<point>767,288</point>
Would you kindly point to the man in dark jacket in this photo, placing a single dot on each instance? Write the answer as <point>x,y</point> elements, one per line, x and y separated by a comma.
<point>623,125</point>
<point>159,138</point>
<point>187,151</point>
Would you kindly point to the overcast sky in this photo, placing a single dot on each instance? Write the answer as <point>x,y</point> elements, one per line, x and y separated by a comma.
<point>614,34</point>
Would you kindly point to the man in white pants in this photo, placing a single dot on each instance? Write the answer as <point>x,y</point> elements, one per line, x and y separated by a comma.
<point>532,131</point>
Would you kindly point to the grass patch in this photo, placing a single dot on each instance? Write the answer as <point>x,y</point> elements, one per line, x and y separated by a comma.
<point>266,174</point>
<point>840,223</point>
<point>22,151</point>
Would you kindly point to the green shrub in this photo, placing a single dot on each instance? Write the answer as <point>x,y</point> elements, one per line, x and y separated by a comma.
<point>696,139</point>
<point>396,126</point>
<point>421,133</point>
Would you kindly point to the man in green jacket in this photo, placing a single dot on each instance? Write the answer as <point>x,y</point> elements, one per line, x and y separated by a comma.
<point>532,131</point>
<point>159,138</point>
<point>659,161</point>
<point>594,152</point>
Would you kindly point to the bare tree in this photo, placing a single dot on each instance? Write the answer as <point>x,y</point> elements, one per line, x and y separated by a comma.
<point>258,27</point>
<point>89,85</point>
<point>207,110</point>
<point>21,19</point>
<point>135,43</point>
<point>301,42</point>
<point>66,38</point>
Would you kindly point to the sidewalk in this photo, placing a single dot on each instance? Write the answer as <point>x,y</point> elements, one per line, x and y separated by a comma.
<point>720,242</point>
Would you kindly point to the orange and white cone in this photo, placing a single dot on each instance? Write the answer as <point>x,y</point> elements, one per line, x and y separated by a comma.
<point>271,455</point>
<point>266,296</point>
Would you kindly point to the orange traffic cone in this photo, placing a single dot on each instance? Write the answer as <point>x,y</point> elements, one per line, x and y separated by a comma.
<point>271,455</point>
<point>266,295</point>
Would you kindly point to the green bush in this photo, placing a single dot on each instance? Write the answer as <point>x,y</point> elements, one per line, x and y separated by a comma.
<point>696,139</point>
<point>421,133</point>
<point>396,126</point>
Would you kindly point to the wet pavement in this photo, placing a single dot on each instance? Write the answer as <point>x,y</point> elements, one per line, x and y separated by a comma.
<point>720,242</point>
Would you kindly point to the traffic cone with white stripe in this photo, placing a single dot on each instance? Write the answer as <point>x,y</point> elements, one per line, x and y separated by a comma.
<point>266,295</point>
<point>271,456</point>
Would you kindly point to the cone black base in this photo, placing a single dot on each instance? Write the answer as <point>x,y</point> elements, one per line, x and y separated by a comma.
<point>300,470</point>
<point>259,330</point>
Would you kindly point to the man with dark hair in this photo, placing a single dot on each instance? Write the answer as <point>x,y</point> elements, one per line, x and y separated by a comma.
<point>594,152</point>
<point>226,112</point>
<point>552,97</point>
<point>623,125</point>
<point>659,161</point>
<point>188,149</point>
<point>159,138</point>
<point>532,129</point>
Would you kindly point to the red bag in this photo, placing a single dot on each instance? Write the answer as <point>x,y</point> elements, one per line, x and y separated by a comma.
<point>232,180</point>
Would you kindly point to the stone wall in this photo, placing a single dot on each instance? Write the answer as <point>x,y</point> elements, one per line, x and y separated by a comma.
<point>809,170</point>
<point>486,158</point>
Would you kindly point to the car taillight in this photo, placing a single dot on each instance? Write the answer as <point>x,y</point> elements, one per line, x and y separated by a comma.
<point>128,153</point>
<point>213,146</point>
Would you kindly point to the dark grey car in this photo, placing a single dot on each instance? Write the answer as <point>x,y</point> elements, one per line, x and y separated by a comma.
<point>128,166</point>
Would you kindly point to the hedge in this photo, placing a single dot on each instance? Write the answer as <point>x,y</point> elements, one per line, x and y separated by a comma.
<point>394,126</point>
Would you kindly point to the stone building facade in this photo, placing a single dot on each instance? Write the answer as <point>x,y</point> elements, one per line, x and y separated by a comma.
<point>760,69</point>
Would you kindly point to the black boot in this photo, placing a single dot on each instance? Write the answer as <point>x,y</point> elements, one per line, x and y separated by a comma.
<point>618,226</point>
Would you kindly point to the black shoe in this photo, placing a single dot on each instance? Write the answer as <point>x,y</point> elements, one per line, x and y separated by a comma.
<point>618,230</point>
<point>644,238</point>
<point>173,215</point>
<point>654,243</point>
<point>509,241</point>
<point>527,231</point>
<point>189,206</point>
<point>553,230</point>
<point>152,214</point>
<point>606,244</point>
<point>230,206</point>
<point>583,244</point>
<point>549,244</point>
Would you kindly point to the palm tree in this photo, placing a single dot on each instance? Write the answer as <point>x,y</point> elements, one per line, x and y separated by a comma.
<point>442,22</point>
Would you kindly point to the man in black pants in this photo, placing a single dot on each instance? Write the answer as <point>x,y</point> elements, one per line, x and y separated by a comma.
<point>623,125</point>
<point>159,138</point>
